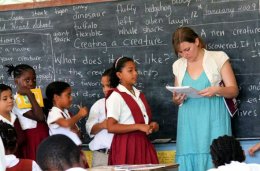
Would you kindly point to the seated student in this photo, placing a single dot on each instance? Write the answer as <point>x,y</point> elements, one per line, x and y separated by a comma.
<point>9,137</point>
<point>254,149</point>
<point>96,126</point>
<point>227,155</point>
<point>58,152</point>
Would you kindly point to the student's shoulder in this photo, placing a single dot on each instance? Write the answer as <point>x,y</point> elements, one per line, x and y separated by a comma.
<point>18,111</point>
<point>99,102</point>
<point>54,112</point>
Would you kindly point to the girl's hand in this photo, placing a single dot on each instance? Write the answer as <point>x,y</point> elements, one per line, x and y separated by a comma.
<point>104,124</point>
<point>83,111</point>
<point>178,98</point>
<point>154,126</point>
<point>75,130</point>
<point>145,128</point>
<point>253,149</point>
<point>209,92</point>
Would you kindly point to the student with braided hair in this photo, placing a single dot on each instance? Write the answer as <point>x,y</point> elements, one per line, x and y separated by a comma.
<point>228,155</point>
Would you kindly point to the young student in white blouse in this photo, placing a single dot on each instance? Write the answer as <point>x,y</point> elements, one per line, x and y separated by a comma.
<point>32,119</point>
<point>227,155</point>
<point>59,119</point>
<point>129,117</point>
<point>7,116</point>
<point>96,126</point>
<point>9,137</point>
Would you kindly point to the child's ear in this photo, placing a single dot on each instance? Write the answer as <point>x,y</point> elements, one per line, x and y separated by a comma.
<point>118,74</point>
<point>55,97</point>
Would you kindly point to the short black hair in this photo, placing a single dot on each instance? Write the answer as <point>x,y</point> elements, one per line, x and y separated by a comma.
<point>9,136</point>
<point>225,149</point>
<point>57,152</point>
<point>56,87</point>
<point>4,87</point>
<point>107,72</point>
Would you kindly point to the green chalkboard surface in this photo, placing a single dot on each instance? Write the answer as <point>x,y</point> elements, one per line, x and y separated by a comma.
<point>77,43</point>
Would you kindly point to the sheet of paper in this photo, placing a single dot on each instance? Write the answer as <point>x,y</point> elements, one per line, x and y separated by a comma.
<point>139,167</point>
<point>189,91</point>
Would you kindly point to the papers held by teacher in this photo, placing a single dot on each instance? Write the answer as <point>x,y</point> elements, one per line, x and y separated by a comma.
<point>187,90</point>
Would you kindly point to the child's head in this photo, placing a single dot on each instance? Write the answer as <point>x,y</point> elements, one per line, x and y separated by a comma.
<point>58,152</point>
<point>124,72</point>
<point>225,149</point>
<point>24,75</point>
<point>59,93</point>
<point>9,137</point>
<point>105,81</point>
<point>6,99</point>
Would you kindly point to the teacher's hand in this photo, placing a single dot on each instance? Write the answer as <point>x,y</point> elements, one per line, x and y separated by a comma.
<point>209,92</point>
<point>178,98</point>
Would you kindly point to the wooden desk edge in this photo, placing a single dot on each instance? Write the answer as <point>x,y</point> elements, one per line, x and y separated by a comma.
<point>111,168</point>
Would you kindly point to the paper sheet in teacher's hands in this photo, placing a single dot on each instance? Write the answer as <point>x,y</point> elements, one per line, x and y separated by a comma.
<point>189,91</point>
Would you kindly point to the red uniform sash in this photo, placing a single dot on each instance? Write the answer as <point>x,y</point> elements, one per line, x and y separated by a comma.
<point>23,165</point>
<point>133,147</point>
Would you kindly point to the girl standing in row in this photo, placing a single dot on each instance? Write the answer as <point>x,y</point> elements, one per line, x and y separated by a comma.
<point>7,116</point>
<point>32,119</point>
<point>129,117</point>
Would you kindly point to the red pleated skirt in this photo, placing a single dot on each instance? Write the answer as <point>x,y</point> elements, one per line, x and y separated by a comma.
<point>34,137</point>
<point>132,148</point>
<point>21,140</point>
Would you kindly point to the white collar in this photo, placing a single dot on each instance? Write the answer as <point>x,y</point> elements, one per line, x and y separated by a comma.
<point>122,88</point>
<point>11,160</point>
<point>64,113</point>
<point>13,117</point>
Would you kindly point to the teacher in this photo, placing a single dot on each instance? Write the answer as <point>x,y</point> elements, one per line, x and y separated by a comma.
<point>200,120</point>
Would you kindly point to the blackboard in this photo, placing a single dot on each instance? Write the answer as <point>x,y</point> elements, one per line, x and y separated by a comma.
<point>76,43</point>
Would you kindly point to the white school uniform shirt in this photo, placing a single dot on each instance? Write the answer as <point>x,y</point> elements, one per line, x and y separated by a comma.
<point>2,156</point>
<point>25,122</point>
<point>13,118</point>
<point>212,64</point>
<point>237,166</point>
<point>55,114</point>
<point>97,114</point>
<point>119,110</point>
<point>11,161</point>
